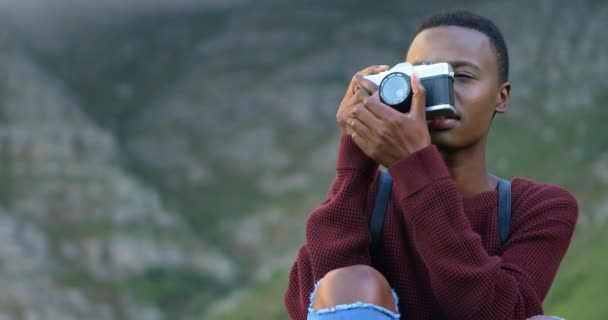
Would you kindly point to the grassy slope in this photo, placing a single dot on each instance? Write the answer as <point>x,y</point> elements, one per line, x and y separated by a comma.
<point>579,291</point>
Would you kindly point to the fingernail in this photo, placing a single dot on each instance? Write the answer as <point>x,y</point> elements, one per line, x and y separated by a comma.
<point>415,75</point>
<point>384,66</point>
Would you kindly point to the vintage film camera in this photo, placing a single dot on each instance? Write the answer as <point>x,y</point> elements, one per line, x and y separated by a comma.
<point>395,89</point>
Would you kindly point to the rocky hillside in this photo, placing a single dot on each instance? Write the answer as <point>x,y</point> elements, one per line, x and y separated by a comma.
<point>158,159</point>
<point>75,222</point>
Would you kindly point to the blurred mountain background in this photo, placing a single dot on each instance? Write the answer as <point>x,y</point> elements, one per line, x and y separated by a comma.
<point>158,158</point>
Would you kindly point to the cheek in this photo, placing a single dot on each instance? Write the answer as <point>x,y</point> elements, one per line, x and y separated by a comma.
<point>475,102</point>
<point>465,95</point>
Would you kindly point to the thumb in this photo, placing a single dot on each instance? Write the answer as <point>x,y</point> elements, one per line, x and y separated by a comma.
<point>418,97</point>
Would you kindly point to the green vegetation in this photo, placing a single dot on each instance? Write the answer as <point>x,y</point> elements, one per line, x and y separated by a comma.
<point>579,292</point>
<point>261,300</point>
<point>179,292</point>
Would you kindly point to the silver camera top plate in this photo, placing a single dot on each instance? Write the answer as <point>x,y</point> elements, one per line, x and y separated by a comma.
<point>423,71</point>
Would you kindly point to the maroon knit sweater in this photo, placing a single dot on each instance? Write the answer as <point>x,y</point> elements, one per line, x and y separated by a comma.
<point>441,251</point>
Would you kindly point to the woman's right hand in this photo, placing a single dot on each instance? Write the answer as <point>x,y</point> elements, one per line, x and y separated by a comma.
<point>353,97</point>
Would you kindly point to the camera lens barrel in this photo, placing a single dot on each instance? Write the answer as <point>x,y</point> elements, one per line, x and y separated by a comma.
<point>395,91</point>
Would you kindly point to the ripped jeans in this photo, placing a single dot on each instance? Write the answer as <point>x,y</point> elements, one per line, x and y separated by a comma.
<point>357,310</point>
<point>366,311</point>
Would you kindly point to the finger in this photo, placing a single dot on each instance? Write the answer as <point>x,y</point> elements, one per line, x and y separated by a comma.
<point>366,84</point>
<point>418,97</point>
<point>361,94</point>
<point>373,70</point>
<point>355,98</point>
<point>366,72</point>
<point>361,142</point>
<point>362,124</point>
<point>343,117</point>
<point>380,110</point>
<point>362,114</point>
<point>352,86</point>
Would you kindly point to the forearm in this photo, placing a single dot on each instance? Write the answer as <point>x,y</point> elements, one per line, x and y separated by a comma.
<point>466,280</point>
<point>336,231</point>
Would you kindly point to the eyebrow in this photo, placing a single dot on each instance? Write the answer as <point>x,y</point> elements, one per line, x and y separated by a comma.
<point>455,64</point>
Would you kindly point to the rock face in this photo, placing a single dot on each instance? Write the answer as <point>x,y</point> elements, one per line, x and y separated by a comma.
<point>155,157</point>
<point>69,209</point>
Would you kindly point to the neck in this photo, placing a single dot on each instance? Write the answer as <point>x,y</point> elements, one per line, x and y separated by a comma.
<point>467,168</point>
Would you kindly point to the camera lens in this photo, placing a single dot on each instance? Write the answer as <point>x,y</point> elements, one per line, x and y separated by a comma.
<point>395,88</point>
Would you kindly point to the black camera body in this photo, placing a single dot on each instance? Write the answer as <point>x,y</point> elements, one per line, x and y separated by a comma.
<point>395,90</point>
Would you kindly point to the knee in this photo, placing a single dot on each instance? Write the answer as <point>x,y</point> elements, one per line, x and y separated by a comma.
<point>354,284</point>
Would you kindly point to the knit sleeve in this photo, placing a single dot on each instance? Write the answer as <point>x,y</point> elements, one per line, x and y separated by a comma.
<point>467,282</point>
<point>337,232</point>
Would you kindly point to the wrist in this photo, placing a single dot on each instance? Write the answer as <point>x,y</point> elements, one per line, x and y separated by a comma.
<point>350,156</point>
<point>419,169</point>
<point>423,144</point>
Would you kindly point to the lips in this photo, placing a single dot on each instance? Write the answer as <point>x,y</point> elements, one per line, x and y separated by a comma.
<point>443,122</point>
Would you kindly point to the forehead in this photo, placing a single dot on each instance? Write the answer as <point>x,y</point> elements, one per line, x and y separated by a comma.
<point>452,43</point>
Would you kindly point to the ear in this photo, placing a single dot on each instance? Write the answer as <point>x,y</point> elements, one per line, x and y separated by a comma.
<point>502,98</point>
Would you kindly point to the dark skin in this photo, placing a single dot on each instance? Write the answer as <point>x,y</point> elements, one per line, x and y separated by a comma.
<point>386,135</point>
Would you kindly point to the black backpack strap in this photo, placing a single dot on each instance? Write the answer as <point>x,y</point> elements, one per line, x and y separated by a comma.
<point>377,221</point>
<point>504,209</point>
<point>383,195</point>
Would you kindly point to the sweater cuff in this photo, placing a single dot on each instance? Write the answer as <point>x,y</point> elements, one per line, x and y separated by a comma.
<point>350,156</point>
<point>419,169</point>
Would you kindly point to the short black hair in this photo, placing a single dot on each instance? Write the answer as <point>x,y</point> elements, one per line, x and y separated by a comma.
<point>467,19</point>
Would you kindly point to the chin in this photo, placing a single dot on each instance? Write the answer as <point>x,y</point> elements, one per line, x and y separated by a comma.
<point>445,140</point>
<point>451,140</point>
